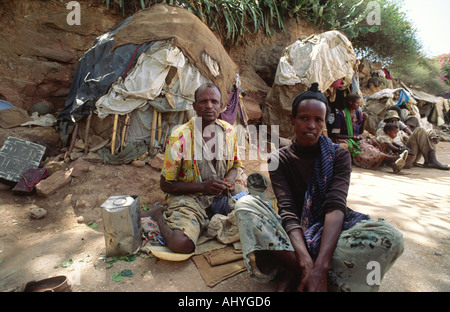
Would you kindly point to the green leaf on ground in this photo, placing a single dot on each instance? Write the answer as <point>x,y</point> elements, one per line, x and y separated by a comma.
<point>118,276</point>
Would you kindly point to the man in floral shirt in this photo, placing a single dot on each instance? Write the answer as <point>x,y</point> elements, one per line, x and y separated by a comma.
<point>198,173</point>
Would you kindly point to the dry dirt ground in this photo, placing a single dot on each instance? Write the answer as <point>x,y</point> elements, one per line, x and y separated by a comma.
<point>416,201</point>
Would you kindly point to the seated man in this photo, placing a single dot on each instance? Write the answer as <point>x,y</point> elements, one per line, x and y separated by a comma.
<point>198,174</point>
<point>316,240</point>
<point>419,142</point>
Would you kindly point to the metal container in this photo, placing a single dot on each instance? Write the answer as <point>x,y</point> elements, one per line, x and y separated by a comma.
<point>122,225</point>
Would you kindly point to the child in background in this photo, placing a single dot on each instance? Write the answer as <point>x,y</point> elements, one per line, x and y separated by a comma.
<point>386,139</point>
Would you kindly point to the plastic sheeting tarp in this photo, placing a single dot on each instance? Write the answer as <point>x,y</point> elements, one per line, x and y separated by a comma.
<point>5,105</point>
<point>97,69</point>
<point>322,58</point>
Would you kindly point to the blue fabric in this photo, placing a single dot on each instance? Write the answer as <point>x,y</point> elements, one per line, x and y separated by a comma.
<point>241,194</point>
<point>5,105</point>
<point>313,212</point>
<point>220,205</point>
<point>402,98</point>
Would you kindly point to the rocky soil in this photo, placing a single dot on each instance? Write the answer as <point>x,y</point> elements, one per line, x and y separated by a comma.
<point>69,240</point>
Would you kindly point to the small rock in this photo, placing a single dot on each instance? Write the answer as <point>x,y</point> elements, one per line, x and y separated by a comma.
<point>79,143</point>
<point>93,157</point>
<point>43,108</point>
<point>52,166</point>
<point>101,199</point>
<point>79,167</point>
<point>76,155</point>
<point>4,187</point>
<point>37,213</point>
<point>80,219</point>
<point>138,163</point>
<point>157,161</point>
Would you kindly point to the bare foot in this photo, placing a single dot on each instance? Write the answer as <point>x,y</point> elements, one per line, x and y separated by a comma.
<point>287,281</point>
<point>156,213</point>
<point>437,165</point>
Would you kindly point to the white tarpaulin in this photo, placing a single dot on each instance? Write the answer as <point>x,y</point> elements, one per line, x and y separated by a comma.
<point>147,81</point>
<point>322,58</point>
<point>325,58</point>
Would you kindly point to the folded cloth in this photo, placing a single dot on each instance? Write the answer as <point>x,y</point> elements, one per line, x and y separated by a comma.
<point>223,256</point>
<point>213,275</point>
<point>131,151</point>
<point>28,181</point>
<point>151,231</point>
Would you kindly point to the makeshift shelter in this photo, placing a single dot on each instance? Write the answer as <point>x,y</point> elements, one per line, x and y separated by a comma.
<point>326,58</point>
<point>434,108</point>
<point>378,103</point>
<point>146,71</point>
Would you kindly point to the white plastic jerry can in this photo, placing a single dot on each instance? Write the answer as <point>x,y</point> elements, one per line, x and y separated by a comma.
<point>122,225</point>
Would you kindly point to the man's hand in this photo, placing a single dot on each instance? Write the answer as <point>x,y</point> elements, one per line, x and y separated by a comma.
<point>231,183</point>
<point>214,187</point>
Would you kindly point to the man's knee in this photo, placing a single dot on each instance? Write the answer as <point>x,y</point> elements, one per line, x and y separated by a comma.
<point>180,243</point>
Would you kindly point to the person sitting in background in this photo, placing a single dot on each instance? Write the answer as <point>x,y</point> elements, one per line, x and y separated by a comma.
<point>420,142</point>
<point>348,129</point>
<point>392,115</point>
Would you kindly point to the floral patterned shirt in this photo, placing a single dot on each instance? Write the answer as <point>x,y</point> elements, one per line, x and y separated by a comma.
<point>180,159</point>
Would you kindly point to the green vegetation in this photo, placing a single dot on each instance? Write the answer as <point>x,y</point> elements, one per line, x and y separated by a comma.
<point>235,19</point>
<point>379,29</point>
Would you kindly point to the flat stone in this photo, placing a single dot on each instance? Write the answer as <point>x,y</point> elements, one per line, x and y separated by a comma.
<point>138,163</point>
<point>53,183</point>
<point>79,167</point>
<point>37,213</point>
<point>157,161</point>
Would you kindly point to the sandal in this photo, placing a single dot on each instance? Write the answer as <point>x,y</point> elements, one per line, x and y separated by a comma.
<point>400,163</point>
